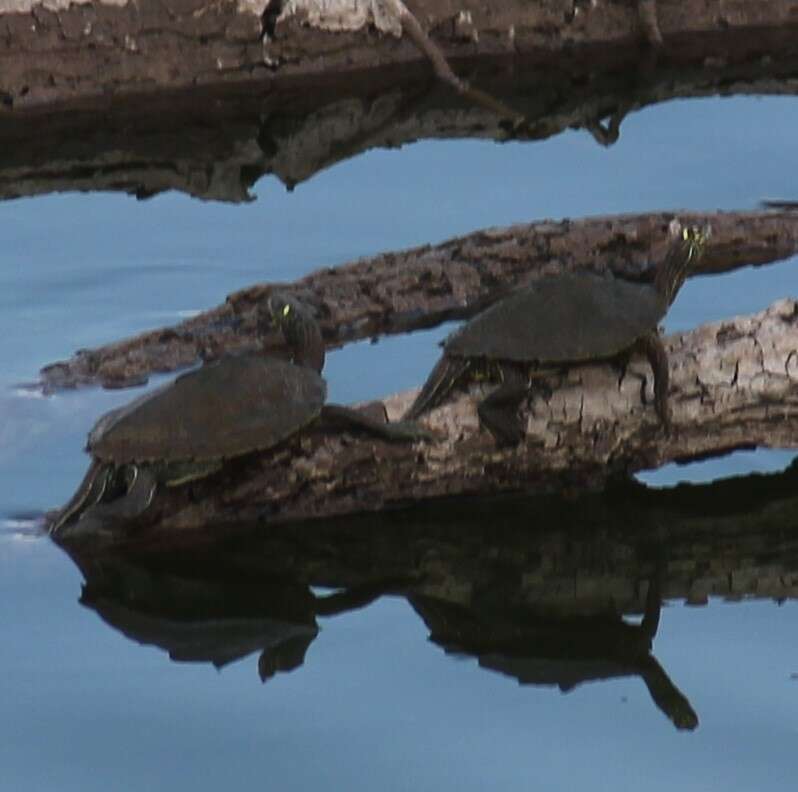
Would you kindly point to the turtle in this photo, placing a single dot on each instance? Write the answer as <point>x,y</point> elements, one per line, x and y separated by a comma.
<point>558,321</point>
<point>233,406</point>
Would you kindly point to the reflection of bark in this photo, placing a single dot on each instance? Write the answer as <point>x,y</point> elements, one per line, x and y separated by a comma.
<point>413,289</point>
<point>215,144</point>
<point>56,51</point>
<point>535,588</point>
<point>583,555</point>
<point>734,385</point>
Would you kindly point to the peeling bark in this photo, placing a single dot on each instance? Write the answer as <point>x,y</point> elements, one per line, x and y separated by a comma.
<point>734,384</point>
<point>422,287</point>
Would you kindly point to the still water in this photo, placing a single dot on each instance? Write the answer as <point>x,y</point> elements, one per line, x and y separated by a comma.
<point>375,703</point>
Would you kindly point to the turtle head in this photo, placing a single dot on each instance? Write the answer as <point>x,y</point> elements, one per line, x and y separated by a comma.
<point>686,249</point>
<point>694,239</point>
<point>299,328</point>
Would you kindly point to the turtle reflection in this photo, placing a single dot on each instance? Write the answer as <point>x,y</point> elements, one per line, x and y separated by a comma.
<point>565,651</point>
<point>208,618</point>
<point>537,589</point>
<point>545,606</point>
<point>211,610</point>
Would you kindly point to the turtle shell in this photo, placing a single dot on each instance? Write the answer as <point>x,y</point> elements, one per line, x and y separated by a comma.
<point>567,318</point>
<point>224,409</point>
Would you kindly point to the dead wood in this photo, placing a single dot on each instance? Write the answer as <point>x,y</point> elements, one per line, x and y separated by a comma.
<point>214,140</point>
<point>554,556</point>
<point>422,287</point>
<point>56,50</point>
<point>734,385</point>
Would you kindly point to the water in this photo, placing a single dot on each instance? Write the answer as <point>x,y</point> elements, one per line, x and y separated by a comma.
<point>375,704</point>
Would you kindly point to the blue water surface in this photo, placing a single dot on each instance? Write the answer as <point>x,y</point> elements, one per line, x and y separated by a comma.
<point>374,705</point>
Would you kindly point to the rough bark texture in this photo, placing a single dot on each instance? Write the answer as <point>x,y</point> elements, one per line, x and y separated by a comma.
<point>422,287</point>
<point>53,50</point>
<point>734,385</point>
<point>214,142</point>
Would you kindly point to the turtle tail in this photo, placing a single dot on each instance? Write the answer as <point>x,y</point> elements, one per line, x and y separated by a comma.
<point>441,380</point>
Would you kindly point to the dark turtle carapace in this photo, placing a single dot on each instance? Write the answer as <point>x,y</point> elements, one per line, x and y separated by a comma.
<point>233,406</point>
<point>558,321</point>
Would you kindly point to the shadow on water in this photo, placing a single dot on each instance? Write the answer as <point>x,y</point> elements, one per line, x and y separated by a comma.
<point>540,590</point>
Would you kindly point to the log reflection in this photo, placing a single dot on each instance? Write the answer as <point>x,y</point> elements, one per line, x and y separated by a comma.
<point>537,589</point>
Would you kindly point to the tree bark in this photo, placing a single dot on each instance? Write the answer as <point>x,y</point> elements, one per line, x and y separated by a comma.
<point>215,142</point>
<point>56,50</point>
<point>734,385</point>
<point>422,287</point>
<point>561,557</point>
<point>173,120</point>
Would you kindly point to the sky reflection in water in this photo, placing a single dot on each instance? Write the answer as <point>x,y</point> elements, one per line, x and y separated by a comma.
<point>375,704</point>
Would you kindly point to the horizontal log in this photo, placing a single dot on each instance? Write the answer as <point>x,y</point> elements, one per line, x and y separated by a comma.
<point>734,384</point>
<point>422,287</point>
<point>215,142</point>
<point>558,557</point>
<point>55,51</point>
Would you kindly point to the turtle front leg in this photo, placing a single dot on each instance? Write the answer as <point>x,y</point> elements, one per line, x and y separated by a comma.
<point>89,492</point>
<point>133,503</point>
<point>441,380</point>
<point>498,412</point>
<point>647,14</point>
<point>651,346</point>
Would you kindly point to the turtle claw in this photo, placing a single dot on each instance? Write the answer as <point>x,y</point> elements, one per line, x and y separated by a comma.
<point>90,492</point>
<point>141,485</point>
<point>409,431</point>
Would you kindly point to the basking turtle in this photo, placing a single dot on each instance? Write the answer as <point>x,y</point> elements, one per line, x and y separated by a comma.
<point>233,406</point>
<point>557,321</point>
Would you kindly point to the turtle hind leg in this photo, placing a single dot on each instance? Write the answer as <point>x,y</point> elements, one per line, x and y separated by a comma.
<point>89,492</point>
<point>403,431</point>
<point>651,346</point>
<point>441,380</point>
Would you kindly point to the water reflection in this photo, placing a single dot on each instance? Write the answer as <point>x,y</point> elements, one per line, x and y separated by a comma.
<point>540,590</point>
<point>215,145</point>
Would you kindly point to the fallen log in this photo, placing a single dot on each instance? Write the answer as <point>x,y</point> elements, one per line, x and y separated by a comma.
<point>55,51</point>
<point>734,385</point>
<point>576,556</point>
<point>423,287</point>
<point>532,587</point>
<point>215,143</point>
